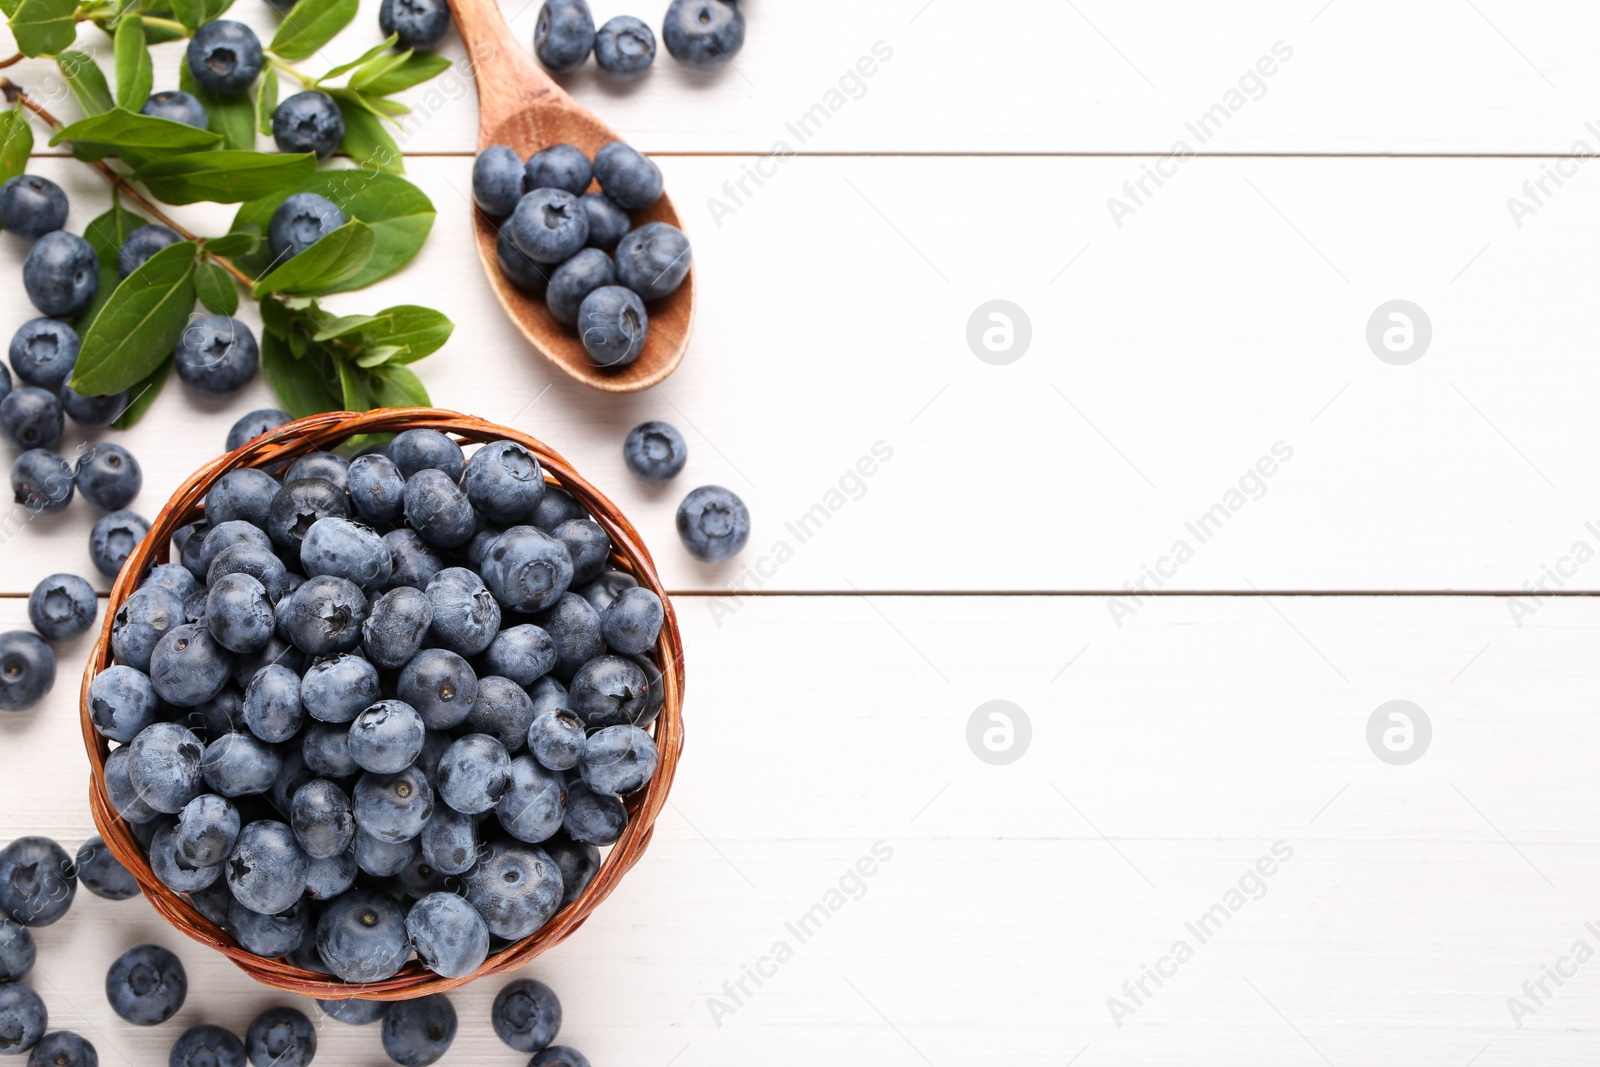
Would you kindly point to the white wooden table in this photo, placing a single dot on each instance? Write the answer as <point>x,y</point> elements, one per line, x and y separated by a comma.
<point>1176,739</point>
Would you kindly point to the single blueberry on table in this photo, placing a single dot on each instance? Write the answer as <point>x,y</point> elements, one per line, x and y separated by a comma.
<point>417,1032</point>
<point>300,222</point>
<point>308,122</point>
<point>497,176</point>
<point>556,739</point>
<point>387,737</point>
<point>438,510</point>
<point>169,866</point>
<point>141,244</point>
<point>564,35</point>
<point>27,670</point>
<point>417,450</point>
<point>108,476</point>
<point>558,1056</point>
<point>22,1019</point>
<point>281,1037</point>
<point>655,451</point>
<point>504,482</point>
<point>607,222</point>
<point>239,614</point>
<point>217,355</point>
<point>245,493</point>
<point>466,616</point>
<point>376,488</point>
<point>526,1015</point>
<point>298,505</point>
<point>146,985</point>
<point>593,818</point>
<point>441,686</point>
<point>515,888</point>
<point>113,538</point>
<point>473,773</point>
<point>93,411</point>
<point>449,935</point>
<point>396,628</point>
<point>549,226</point>
<point>574,280</point>
<point>561,166</point>
<point>449,842</point>
<point>323,821</point>
<point>420,24</point>
<point>534,803</point>
<point>225,57</point>
<point>240,764</point>
<point>713,524</point>
<point>654,260</point>
<point>354,1012</point>
<point>532,278</point>
<point>206,1046</point>
<point>527,569</point>
<point>607,691</point>
<point>31,206</point>
<point>524,653</point>
<point>189,666</point>
<point>267,869</point>
<point>362,937</point>
<point>178,106</point>
<point>578,863</point>
<point>43,352</point>
<point>338,688</point>
<point>574,626</point>
<point>63,1048</point>
<point>618,760</point>
<point>393,807</point>
<point>30,417</point>
<point>633,622</point>
<point>148,613</point>
<point>37,881</point>
<point>100,873</point>
<point>588,545</point>
<point>324,616</point>
<point>41,481</point>
<point>208,828</point>
<point>61,274</point>
<point>629,177</point>
<point>613,326</point>
<point>253,425</point>
<point>704,34</point>
<point>625,47</point>
<point>606,588</point>
<point>269,935</point>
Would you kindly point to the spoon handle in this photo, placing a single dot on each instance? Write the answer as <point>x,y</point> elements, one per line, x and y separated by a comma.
<point>508,78</point>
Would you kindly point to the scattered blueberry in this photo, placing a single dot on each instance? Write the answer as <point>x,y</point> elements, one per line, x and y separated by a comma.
<point>420,24</point>
<point>30,417</point>
<point>63,1048</point>
<point>417,1032</point>
<point>146,985</point>
<point>22,1019</point>
<point>206,1046</point>
<point>41,481</point>
<point>225,57</point>
<point>108,476</point>
<point>354,1012</point>
<point>526,1015</point>
<point>308,122</point>
<point>217,355</point>
<point>93,411</point>
<point>300,222</point>
<point>281,1037</point>
<point>178,106</point>
<point>704,34</point>
<point>625,47</point>
<point>558,1056</point>
<point>655,451</point>
<point>61,274</point>
<point>37,881</point>
<point>43,352</point>
<point>31,206</point>
<point>141,244</point>
<point>27,671</point>
<point>564,35</point>
<point>713,524</point>
<point>62,606</point>
<point>101,874</point>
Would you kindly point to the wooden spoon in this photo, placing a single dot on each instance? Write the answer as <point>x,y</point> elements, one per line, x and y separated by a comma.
<point>519,106</point>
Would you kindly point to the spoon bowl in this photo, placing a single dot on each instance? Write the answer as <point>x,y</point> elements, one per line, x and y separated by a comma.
<point>521,107</point>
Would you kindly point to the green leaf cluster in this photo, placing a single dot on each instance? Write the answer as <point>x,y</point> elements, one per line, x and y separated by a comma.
<point>317,361</point>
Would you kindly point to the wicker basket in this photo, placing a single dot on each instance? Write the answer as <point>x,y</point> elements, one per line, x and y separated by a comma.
<point>323,432</point>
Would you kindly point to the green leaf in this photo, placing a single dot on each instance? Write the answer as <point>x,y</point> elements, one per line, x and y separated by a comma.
<point>231,115</point>
<point>142,394</point>
<point>365,139</point>
<point>140,324</point>
<point>135,71</point>
<point>310,25</point>
<point>87,83</point>
<point>216,8</point>
<point>345,68</point>
<point>403,334</point>
<point>44,27</point>
<point>353,396</point>
<point>121,132</point>
<point>398,212</point>
<point>216,289</point>
<point>107,233</point>
<point>16,143</point>
<point>234,244</point>
<point>415,70</point>
<point>192,13</point>
<point>376,68</point>
<point>398,387</point>
<point>304,387</point>
<point>267,101</point>
<point>224,176</point>
<point>335,258</point>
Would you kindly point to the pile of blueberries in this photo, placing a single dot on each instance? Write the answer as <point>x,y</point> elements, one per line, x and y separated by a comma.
<point>578,249</point>
<point>701,34</point>
<point>147,985</point>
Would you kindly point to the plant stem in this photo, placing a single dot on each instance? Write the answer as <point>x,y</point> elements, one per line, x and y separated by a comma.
<point>166,24</point>
<point>122,185</point>
<point>11,61</point>
<point>289,69</point>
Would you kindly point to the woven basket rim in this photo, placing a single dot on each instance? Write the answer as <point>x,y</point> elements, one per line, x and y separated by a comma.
<point>321,433</point>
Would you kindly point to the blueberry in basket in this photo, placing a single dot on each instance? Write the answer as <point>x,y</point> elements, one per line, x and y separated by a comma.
<point>365,751</point>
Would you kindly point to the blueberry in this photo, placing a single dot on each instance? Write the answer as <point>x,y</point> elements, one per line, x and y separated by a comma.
<point>549,226</point>
<point>93,411</point>
<point>564,35</point>
<point>329,466</point>
<point>396,628</point>
<point>108,476</point>
<point>300,222</point>
<point>281,1037</point>
<point>277,651</point>
<point>325,747</point>
<point>322,818</point>
<point>497,180</point>
<point>633,622</point>
<point>527,569</point>
<point>606,588</point>
<point>354,1012</point>
<point>31,206</point>
<point>574,626</point>
<point>473,774</point>
<point>655,451</point>
<point>629,177</point>
<point>43,352</point>
<point>608,223</point>
<point>438,510</point>
<point>121,791</point>
<point>324,616</point>
<point>308,122</point>
<point>63,1048</point>
<point>240,764</point>
<point>655,691</point>
<point>593,818</point>
<point>338,688</point>
<point>376,488</point>
<point>704,34</point>
<point>450,936</point>
<point>526,1015</point>
<point>578,863</point>
<point>362,937</point>
<point>225,57</point>
<point>574,280</point>
<point>272,708</point>
<point>255,561</point>
<point>146,985</point>
<point>41,481</point>
<point>449,841</point>
<point>113,539</point>
<point>393,807</point>
<point>269,935</point>
<point>346,550</point>
<point>297,507</point>
<point>148,613</point>
<point>217,355</point>
<point>441,686</point>
<point>556,739</point>
<point>208,828</point>
<point>177,106</point>
<point>532,278</point>
<point>608,691</point>
<point>186,541</point>
<point>418,1032</point>
<point>515,888</point>
<point>61,274</point>
<point>558,1056</point>
<point>532,807</point>
<point>244,494</point>
<point>100,873</point>
<point>557,507</point>
<point>141,244</point>
<point>503,710</point>
<point>165,764</point>
<point>561,166</point>
<point>328,879</point>
<point>588,545</point>
<point>654,260</point>
<point>30,417</point>
<point>625,47</point>
<point>524,653</point>
<point>22,1019</point>
<point>206,1046</point>
<point>170,867</point>
<point>504,482</point>
<point>222,714</point>
<point>387,737</point>
<point>418,450</point>
<point>37,881</point>
<point>383,859</point>
<point>239,615</point>
<point>420,24</point>
<point>465,615</point>
<point>267,869</point>
<point>618,760</point>
<point>713,524</point>
<point>173,577</point>
<point>27,670</point>
<point>613,325</point>
<point>188,665</point>
<point>253,425</point>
